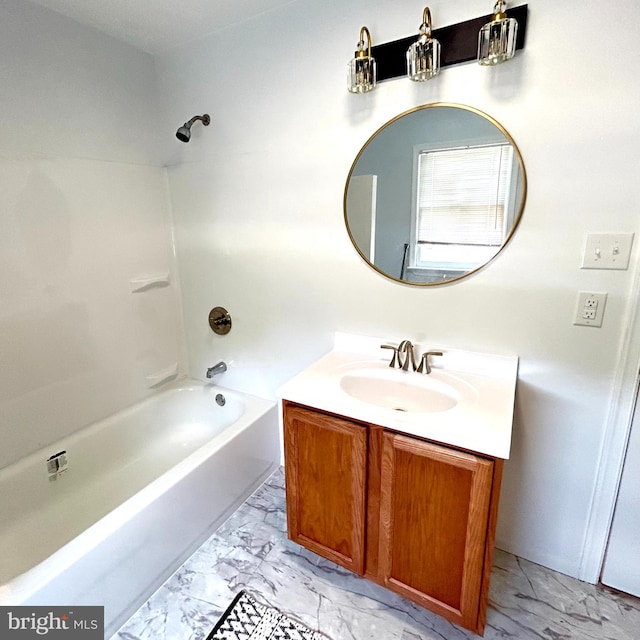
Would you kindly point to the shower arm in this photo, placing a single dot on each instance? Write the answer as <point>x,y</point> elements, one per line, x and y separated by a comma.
<point>205,120</point>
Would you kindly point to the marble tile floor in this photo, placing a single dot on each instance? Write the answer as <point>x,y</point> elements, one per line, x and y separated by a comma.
<point>251,551</point>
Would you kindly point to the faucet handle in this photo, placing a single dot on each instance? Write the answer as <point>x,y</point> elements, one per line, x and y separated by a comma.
<point>424,367</point>
<point>394,358</point>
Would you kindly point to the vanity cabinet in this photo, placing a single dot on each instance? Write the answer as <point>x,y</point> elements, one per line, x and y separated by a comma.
<point>325,469</point>
<point>414,516</point>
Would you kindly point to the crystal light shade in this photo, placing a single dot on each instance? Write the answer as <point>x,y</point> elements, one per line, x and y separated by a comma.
<point>423,56</point>
<point>361,70</point>
<point>497,39</point>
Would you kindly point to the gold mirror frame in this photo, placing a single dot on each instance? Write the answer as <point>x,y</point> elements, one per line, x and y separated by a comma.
<point>517,217</point>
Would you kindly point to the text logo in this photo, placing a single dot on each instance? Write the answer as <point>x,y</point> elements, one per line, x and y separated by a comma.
<point>53,623</point>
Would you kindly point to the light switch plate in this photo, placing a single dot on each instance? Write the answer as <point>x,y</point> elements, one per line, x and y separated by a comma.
<point>607,251</point>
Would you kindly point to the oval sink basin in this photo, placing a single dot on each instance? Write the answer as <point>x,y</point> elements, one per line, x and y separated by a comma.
<point>398,390</point>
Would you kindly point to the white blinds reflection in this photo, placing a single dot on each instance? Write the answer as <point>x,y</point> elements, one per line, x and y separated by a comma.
<point>462,195</point>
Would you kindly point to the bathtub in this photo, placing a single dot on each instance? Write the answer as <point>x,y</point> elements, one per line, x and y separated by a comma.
<point>133,496</point>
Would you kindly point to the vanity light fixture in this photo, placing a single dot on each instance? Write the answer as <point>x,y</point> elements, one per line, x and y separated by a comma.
<point>497,39</point>
<point>361,71</point>
<point>458,44</point>
<point>423,56</point>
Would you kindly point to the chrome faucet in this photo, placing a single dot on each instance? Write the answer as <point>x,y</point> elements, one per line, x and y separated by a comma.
<point>221,367</point>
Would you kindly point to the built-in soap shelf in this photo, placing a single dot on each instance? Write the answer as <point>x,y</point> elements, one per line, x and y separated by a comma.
<point>148,282</point>
<point>157,378</point>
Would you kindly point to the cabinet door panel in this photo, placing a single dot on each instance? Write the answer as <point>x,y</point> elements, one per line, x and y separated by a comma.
<point>438,563</point>
<point>325,467</point>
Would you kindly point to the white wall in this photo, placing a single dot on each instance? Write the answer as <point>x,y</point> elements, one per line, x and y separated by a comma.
<point>258,207</point>
<point>84,208</point>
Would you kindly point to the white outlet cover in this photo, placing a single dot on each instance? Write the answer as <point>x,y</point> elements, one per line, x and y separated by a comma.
<point>607,251</point>
<point>583,312</point>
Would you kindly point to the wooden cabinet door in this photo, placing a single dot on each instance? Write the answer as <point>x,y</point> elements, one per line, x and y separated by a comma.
<point>434,512</point>
<point>325,475</point>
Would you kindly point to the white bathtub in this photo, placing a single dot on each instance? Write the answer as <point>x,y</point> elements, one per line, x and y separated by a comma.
<point>142,490</point>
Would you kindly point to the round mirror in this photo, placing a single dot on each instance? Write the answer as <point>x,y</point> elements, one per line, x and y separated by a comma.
<point>435,194</point>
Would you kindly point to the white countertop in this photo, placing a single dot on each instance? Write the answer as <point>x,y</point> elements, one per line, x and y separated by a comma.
<point>481,421</point>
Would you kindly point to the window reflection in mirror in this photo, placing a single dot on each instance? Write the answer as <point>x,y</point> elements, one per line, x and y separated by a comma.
<point>435,194</point>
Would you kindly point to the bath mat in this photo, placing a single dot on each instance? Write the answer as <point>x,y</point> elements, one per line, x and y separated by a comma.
<point>246,619</point>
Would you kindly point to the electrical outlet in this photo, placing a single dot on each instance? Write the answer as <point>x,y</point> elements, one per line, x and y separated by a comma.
<point>590,309</point>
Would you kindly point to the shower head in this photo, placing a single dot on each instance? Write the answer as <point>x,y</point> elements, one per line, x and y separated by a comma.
<point>184,132</point>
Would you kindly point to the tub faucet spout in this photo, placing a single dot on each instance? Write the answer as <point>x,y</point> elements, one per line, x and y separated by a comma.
<point>221,367</point>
